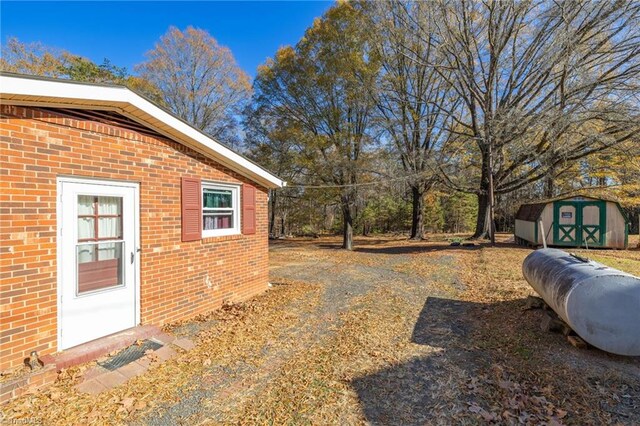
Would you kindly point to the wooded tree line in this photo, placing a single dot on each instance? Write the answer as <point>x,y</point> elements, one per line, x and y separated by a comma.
<point>394,116</point>
<point>503,101</point>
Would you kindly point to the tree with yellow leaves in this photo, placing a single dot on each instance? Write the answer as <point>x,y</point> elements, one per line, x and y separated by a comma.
<point>198,80</point>
<point>321,88</point>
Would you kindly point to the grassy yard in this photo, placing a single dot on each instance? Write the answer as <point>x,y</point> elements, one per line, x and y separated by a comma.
<point>395,332</point>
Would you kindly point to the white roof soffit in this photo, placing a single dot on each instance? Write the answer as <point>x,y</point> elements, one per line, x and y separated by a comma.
<point>34,91</point>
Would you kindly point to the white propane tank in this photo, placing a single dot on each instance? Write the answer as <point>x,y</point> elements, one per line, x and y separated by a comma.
<point>601,304</point>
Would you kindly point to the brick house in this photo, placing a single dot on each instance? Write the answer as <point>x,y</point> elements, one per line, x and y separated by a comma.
<point>116,213</point>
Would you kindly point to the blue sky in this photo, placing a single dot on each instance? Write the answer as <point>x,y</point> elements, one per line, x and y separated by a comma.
<point>124,31</point>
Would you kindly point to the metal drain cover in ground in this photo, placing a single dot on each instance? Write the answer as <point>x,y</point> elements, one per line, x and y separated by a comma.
<point>130,354</point>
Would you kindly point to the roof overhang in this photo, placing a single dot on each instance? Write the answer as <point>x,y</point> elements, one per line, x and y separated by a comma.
<point>44,92</point>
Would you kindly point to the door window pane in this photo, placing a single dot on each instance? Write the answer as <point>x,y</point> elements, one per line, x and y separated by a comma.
<point>99,266</point>
<point>86,228</point>
<point>107,251</point>
<point>109,206</point>
<point>85,204</point>
<point>109,227</point>
<point>86,253</point>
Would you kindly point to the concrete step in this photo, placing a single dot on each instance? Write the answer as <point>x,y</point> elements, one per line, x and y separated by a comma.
<point>96,348</point>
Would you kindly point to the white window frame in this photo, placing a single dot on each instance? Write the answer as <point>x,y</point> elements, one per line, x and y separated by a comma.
<point>235,204</point>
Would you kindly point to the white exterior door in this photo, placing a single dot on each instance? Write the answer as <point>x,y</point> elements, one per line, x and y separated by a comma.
<point>97,259</point>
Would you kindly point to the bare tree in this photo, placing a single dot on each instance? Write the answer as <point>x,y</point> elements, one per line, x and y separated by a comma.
<point>542,84</point>
<point>414,102</point>
<point>198,80</point>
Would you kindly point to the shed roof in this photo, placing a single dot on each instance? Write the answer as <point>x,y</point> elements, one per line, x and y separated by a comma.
<point>16,89</point>
<point>531,211</point>
<point>578,195</point>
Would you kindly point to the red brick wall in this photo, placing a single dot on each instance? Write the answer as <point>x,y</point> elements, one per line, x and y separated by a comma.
<point>36,147</point>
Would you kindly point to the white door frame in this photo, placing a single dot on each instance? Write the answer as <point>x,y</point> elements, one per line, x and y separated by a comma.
<point>137,250</point>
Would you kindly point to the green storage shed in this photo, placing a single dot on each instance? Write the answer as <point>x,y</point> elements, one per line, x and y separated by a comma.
<point>577,221</point>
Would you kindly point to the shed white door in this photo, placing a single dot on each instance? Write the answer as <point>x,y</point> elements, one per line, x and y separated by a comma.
<point>97,256</point>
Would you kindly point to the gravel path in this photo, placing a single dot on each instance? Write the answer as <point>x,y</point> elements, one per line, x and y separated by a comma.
<point>209,400</point>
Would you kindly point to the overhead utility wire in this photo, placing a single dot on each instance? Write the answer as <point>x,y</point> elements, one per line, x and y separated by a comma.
<point>377,182</point>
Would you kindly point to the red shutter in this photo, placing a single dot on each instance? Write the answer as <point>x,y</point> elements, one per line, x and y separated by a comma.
<point>191,209</point>
<point>248,209</point>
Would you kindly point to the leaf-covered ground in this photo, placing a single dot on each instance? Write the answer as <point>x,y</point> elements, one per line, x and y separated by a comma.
<point>395,332</point>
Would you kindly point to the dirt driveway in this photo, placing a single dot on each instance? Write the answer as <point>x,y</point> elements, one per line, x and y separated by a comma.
<point>395,332</point>
<point>413,333</point>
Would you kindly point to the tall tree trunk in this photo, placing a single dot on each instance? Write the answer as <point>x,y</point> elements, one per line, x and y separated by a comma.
<point>347,219</point>
<point>492,199</point>
<point>482,221</point>
<point>272,216</point>
<point>417,215</point>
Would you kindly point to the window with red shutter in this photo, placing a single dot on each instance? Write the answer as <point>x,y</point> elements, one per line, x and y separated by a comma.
<point>248,209</point>
<point>220,209</point>
<point>191,209</point>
